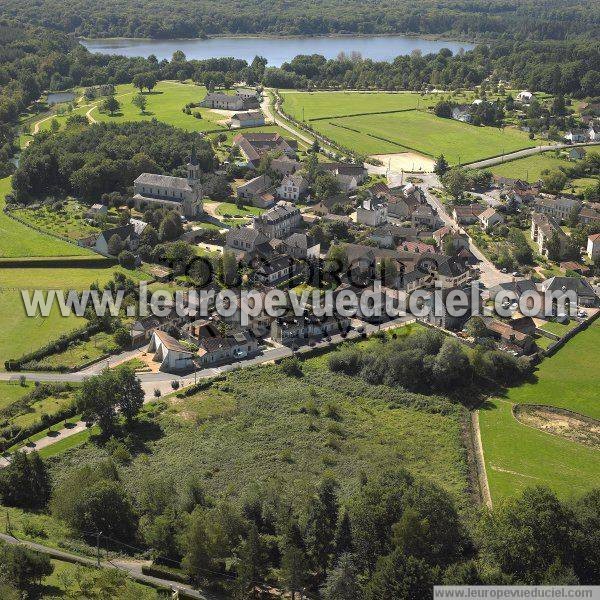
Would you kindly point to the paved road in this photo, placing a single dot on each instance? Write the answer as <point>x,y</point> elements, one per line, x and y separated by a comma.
<point>271,114</point>
<point>132,569</point>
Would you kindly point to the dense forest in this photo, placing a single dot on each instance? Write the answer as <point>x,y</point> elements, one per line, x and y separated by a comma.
<point>527,19</point>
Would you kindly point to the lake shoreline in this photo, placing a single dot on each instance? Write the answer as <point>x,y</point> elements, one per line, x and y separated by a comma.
<point>273,36</point>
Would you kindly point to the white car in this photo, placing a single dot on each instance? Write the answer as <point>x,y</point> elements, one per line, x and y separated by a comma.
<point>582,314</point>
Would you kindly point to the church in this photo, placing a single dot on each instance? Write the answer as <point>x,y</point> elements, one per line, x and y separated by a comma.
<point>176,193</point>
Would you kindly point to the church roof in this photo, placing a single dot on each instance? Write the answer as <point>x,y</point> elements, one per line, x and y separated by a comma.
<point>164,181</point>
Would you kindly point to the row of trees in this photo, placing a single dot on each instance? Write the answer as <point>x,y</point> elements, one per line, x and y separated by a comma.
<point>428,362</point>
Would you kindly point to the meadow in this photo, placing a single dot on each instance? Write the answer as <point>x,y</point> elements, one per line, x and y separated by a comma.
<point>517,455</point>
<point>259,426</point>
<point>317,105</point>
<point>422,132</point>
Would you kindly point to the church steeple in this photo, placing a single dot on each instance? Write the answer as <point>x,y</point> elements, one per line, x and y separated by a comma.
<point>193,168</point>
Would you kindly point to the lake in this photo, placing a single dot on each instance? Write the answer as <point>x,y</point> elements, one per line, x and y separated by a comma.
<point>58,97</point>
<point>275,50</point>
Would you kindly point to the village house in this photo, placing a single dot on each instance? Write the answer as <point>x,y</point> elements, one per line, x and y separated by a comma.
<point>576,153</point>
<point>181,194</point>
<point>172,355</point>
<point>273,270</point>
<point>490,217</point>
<point>142,329</point>
<point>349,176</point>
<point>576,136</point>
<point>593,246</point>
<point>250,118</point>
<point>301,246</point>
<point>588,215</point>
<point>248,92</point>
<point>244,239</point>
<point>459,240</point>
<point>222,101</point>
<point>594,132</point>
<point>576,267</point>
<point>509,337</point>
<point>388,235</point>
<point>584,291</point>
<point>126,233</point>
<point>96,210</point>
<point>425,216</point>
<point>253,146</point>
<point>543,228</point>
<point>284,165</point>
<point>372,212</point>
<point>292,187</point>
<point>468,214</point>
<point>419,247</point>
<point>233,346</point>
<point>559,208</point>
<point>256,191</point>
<point>279,221</point>
<point>291,328</point>
<point>462,113</point>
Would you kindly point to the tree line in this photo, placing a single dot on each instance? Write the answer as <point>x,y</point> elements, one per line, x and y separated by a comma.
<point>476,19</point>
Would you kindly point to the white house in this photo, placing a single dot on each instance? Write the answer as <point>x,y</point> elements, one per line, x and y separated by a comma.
<point>594,133</point>
<point>577,135</point>
<point>490,217</point>
<point>372,212</point>
<point>96,210</point>
<point>172,355</point>
<point>292,187</point>
<point>593,246</point>
<point>250,118</point>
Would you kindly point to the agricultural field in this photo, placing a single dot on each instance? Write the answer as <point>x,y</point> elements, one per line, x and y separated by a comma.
<point>67,222</point>
<point>18,240</point>
<point>517,455</point>
<point>531,167</point>
<point>422,132</point>
<point>318,105</point>
<point>259,426</point>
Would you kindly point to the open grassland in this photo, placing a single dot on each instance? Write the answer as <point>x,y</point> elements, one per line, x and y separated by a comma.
<point>18,240</point>
<point>165,103</point>
<point>517,456</point>
<point>569,379</point>
<point>532,167</point>
<point>338,104</point>
<point>423,132</point>
<point>10,392</point>
<point>258,426</point>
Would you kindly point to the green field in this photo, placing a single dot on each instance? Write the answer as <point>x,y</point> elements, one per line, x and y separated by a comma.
<point>422,132</point>
<point>517,455</point>
<point>531,167</point>
<point>228,208</point>
<point>165,103</point>
<point>10,392</point>
<point>18,240</point>
<point>338,104</point>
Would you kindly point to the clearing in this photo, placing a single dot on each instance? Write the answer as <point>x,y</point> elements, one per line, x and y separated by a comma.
<point>406,161</point>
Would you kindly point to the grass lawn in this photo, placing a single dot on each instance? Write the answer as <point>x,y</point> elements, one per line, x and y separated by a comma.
<point>425,133</point>
<point>73,441</point>
<point>18,240</point>
<point>517,456</point>
<point>49,406</point>
<point>99,345</point>
<point>10,392</point>
<point>569,379</point>
<point>69,222</point>
<point>229,208</point>
<point>336,104</point>
<point>165,103</point>
<point>559,328</point>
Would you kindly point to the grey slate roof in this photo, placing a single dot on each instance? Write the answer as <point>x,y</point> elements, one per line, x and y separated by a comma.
<point>165,181</point>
